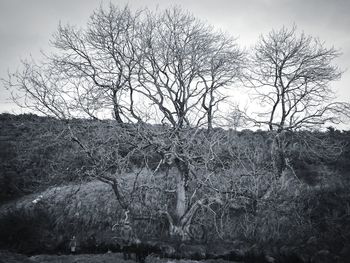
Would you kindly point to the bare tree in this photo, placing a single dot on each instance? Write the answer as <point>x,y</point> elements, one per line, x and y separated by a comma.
<point>98,62</point>
<point>172,61</point>
<point>223,67</point>
<point>291,75</point>
<point>237,117</point>
<point>184,65</point>
<point>37,88</point>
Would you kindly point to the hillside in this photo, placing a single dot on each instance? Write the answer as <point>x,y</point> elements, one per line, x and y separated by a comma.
<point>47,195</point>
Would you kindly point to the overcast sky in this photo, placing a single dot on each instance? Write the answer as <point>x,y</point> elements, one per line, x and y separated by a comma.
<point>27,25</point>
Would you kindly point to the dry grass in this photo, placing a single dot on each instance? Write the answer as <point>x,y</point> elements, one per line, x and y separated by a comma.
<point>59,213</point>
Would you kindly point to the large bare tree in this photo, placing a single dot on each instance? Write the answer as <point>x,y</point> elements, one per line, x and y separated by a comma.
<point>184,67</point>
<point>173,63</point>
<point>292,74</point>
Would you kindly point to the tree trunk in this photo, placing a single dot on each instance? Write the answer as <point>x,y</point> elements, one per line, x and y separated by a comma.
<point>210,119</point>
<point>116,110</point>
<point>278,154</point>
<point>181,201</point>
<point>117,113</point>
<point>180,232</point>
<point>180,222</point>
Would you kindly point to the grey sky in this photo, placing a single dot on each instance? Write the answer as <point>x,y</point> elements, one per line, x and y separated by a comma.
<point>27,25</point>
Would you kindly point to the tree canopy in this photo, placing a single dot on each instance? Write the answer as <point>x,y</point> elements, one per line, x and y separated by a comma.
<point>292,74</point>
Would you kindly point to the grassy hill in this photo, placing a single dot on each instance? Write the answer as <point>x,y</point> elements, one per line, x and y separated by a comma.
<point>46,197</point>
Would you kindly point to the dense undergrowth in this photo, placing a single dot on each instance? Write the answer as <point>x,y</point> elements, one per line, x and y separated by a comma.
<point>47,198</point>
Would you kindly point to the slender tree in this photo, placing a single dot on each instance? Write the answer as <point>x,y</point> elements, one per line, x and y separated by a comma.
<point>98,61</point>
<point>291,74</point>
